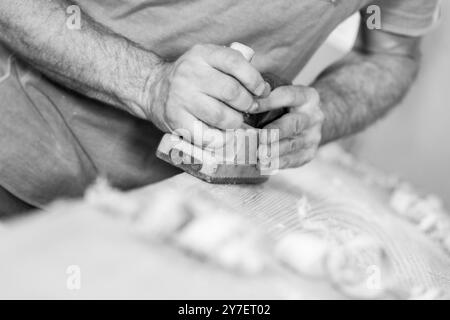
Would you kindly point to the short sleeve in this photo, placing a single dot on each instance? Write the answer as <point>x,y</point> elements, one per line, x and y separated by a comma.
<point>409,17</point>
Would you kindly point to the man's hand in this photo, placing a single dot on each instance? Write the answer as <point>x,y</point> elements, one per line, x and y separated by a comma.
<point>210,84</point>
<point>300,129</point>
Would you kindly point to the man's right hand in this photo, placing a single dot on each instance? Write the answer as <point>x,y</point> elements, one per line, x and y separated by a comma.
<point>210,84</point>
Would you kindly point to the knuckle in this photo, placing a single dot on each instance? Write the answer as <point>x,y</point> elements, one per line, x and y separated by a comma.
<point>293,144</point>
<point>289,95</point>
<point>311,144</point>
<point>231,91</point>
<point>304,97</point>
<point>210,114</point>
<point>216,116</point>
<point>232,59</point>
<point>254,80</point>
<point>320,116</point>
<point>198,49</point>
<point>313,96</point>
<point>232,122</point>
<point>183,69</point>
<point>210,48</point>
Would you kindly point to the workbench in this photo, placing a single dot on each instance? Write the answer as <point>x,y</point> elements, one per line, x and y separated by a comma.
<point>336,197</point>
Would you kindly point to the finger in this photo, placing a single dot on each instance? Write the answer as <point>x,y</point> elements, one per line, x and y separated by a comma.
<point>311,106</point>
<point>198,132</point>
<point>232,62</point>
<point>289,125</point>
<point>228,90</point>
<point>215,113</point>
<point>308,140</point>
<point>288,96</point>
<point>296,159</point>
<point>289,145</point>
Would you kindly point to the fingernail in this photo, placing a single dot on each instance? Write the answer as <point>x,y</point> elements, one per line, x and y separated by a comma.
<point>254,107</point>
<point>267,90</point>
<point>261,89</point>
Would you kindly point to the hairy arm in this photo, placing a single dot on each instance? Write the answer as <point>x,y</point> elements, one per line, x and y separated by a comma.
<point>367,83</point>
<point>93,61</point>
<point>346,98</point>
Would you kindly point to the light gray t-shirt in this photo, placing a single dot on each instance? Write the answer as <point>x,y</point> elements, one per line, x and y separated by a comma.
<point>284,33</point>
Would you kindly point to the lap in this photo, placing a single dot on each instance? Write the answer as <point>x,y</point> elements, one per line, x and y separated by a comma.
<point>55,143</point>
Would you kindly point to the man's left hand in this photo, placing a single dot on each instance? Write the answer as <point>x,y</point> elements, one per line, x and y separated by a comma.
<point>300,130</point>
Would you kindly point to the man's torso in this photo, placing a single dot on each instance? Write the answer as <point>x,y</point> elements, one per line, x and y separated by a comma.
<point>284,33</point>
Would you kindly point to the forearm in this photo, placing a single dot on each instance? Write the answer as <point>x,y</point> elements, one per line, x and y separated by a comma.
<point>361,88</point>
<point>93,60</point>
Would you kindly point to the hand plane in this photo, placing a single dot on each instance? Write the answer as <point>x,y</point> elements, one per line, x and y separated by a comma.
<point>238,166</point>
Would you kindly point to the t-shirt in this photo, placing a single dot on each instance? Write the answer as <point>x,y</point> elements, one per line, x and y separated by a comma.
<point>284,33</point>
<point>55,142</point>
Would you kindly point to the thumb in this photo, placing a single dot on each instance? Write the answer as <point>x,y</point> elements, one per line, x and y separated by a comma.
<point>286,96</point>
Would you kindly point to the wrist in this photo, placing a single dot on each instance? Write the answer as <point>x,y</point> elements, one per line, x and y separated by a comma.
<point>329,101</point>
<point>138,76</point>
<point>152,92</point>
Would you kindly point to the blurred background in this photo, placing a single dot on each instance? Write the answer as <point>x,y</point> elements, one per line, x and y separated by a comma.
<point>413,142</point>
